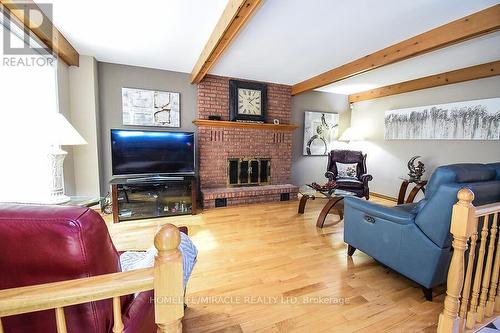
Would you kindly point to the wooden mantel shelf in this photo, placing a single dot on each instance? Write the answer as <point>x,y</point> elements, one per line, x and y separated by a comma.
<point>221,123</point>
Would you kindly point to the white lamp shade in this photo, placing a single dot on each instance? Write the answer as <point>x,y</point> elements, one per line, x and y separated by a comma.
<point>61,132</point>
<point>351,134</point>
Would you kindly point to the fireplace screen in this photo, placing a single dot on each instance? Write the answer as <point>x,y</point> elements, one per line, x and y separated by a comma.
<point>242,171</point>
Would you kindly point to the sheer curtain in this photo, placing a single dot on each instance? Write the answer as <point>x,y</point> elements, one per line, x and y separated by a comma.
<point>28,93</point>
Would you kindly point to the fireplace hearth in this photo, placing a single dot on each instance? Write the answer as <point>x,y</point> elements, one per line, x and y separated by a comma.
<point>248,171</point>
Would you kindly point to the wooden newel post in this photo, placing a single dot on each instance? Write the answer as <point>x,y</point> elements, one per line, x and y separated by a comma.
<point>462,222</point>
<point>168,281</point>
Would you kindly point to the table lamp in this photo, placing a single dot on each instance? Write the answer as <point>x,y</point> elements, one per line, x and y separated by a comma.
<point>61,133</point>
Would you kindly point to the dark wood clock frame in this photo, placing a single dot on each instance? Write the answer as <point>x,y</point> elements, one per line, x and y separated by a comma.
<point>234,85</point>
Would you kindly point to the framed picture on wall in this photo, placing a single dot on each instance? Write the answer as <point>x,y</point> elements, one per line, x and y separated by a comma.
<point>143,107</point>
<point>321,130</point>
<point>470,120</point>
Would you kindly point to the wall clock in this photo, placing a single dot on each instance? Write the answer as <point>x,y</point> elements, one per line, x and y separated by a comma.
<point>247,101</point>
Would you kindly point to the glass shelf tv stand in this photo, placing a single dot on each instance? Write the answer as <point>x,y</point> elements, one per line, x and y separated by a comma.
<point>143,198</point>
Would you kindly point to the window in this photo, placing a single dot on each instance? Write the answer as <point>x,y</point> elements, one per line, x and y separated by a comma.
<point>28,92</point>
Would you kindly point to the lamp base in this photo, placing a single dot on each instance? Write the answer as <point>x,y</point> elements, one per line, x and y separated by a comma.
<point>56,160</point>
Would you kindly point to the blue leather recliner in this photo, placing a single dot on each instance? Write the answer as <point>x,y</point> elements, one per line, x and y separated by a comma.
<point>414,239</point>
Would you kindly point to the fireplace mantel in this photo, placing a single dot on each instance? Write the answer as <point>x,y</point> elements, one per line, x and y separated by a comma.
<point>265,126</point>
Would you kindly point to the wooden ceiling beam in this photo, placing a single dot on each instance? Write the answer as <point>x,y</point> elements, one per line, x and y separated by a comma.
<point>456,76</point>
<point>47,32</point>
<point>477,24</point>
<point>234,17</point>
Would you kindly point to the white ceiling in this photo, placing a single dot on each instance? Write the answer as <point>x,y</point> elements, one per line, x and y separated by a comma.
<point>293,40</point>
<point>286,41</point>
<point>164,34</point>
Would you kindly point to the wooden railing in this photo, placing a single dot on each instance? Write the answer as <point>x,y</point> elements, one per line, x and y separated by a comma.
<point>473,293</point>
<point>165,278</point>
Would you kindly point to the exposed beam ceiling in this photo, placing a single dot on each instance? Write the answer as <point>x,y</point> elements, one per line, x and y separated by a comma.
<point>480,50</point>
<point>477,24</point>
<point>234,17</point>
<point>47,32</point>
<point>456,76</point>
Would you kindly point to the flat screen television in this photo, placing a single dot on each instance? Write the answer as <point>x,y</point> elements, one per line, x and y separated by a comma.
<point>135,152</point>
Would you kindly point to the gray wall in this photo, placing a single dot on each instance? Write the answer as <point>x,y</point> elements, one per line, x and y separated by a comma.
<point>308,169</point>
<point>85,118</point>
<point>63,100</point>
<point>387,159</point>
<point>113,77</point>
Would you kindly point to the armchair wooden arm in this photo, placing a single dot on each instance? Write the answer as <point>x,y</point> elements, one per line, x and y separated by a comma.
<point>165,278</point>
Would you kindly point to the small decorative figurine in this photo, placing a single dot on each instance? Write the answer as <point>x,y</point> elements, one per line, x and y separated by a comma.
<point>416,172</point>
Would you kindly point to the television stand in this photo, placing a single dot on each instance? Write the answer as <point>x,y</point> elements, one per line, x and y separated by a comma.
<point>151,197</point>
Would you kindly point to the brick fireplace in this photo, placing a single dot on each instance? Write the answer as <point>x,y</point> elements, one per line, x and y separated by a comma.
<point>220,142</point>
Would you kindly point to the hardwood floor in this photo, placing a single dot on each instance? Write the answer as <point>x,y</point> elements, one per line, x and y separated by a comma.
<point>258,264</point>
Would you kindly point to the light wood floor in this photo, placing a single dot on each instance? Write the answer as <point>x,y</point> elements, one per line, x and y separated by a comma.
<point>269,250</point>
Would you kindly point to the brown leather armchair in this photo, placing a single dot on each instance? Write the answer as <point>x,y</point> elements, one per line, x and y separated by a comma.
<point>42,244</point>
<point>359,184</point>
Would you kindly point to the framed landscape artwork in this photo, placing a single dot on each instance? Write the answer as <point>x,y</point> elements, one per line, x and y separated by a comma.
<point>150,108</point>
<point>471,120</point>
<point>321,129</point>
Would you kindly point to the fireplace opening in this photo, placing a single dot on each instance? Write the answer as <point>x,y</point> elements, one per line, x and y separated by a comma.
<point>248,171</point>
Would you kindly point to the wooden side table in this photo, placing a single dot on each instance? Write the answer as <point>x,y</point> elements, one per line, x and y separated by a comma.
<point>420,186</point>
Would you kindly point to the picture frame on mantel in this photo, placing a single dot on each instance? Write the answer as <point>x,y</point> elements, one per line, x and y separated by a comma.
<point>247,101</point>
<point>144,107</point>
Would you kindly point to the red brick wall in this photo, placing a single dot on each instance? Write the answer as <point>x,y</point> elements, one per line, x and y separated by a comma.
<point>213,99</point>
<point>217,144</point>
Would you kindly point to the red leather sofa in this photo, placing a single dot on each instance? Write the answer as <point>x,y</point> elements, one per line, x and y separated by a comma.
<point>42,244</point>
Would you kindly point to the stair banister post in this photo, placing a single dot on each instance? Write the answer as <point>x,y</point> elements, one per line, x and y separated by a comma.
<point>490,285</point>
<point>462,226</point>
<point>493,295</point>
<point>168,281</point>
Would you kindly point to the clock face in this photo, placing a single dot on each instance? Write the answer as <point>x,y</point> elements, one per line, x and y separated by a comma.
<point>249,101</point>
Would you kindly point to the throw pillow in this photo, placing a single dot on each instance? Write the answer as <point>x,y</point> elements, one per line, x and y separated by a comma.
<point>347,170</point>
